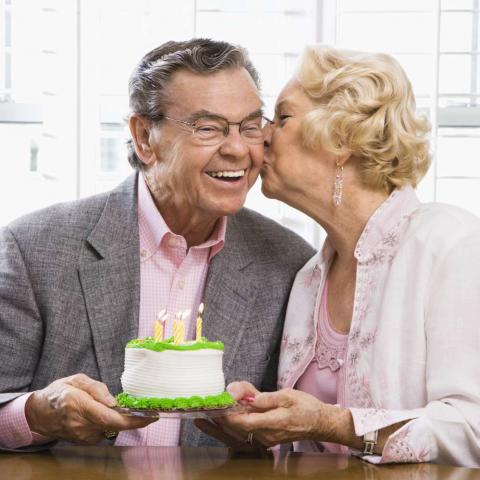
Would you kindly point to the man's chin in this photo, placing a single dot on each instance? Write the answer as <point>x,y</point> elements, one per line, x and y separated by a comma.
<point>230,208</point>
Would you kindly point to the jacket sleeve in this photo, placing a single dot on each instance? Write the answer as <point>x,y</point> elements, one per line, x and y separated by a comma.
<point>447,429</point>
<point>21,330</point>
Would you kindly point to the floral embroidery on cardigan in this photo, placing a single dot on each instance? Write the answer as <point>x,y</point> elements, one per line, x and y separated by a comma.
<point>367,340</point>
<point>368,417</point>
<point>358,385</point>
<point>359,391</point>
<point>391,239</point>
<point>297,348</point>
<point>378,257</point>
<point>313,278</point>
<point>398,449</point>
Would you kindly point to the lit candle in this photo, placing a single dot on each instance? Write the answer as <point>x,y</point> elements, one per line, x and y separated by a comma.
<point>199,329</point>
<point>182,331</point>
<point>184,315</point>
<point>158,330</point>
<point>159,326</point>
<point>199,323</point>
<point>177,329</point>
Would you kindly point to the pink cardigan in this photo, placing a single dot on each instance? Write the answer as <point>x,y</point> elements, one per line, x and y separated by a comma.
<point>414,342</point>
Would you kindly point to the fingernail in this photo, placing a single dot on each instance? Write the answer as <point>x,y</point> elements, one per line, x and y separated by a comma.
<point>249,398</point>
<point>110,401</point>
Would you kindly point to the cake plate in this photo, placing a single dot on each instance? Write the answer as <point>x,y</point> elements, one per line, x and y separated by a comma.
<point>180,413</point>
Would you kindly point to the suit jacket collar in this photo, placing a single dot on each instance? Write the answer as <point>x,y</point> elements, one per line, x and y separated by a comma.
<point>117,227</point>
<point>111,284</point>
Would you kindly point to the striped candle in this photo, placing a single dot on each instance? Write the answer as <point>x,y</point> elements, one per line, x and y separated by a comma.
<point>158,330</point>
<point>199,322</point>
<point>176,332</point>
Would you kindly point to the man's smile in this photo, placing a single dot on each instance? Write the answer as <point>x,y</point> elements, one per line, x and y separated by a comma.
<point>227,175</point>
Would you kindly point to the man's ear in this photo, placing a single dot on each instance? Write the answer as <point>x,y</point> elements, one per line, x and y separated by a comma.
<point>140,131</point>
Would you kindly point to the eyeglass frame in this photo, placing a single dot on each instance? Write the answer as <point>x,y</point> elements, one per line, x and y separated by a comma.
<point>226,131</point>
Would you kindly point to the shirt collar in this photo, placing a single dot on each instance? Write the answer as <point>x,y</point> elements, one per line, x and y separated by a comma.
<point>385,221</point>
<point>388,217</point>
<point>153,227</point>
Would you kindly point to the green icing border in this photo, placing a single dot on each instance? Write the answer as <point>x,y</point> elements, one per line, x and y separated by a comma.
<point>167,344</point>
<point>212,401</point>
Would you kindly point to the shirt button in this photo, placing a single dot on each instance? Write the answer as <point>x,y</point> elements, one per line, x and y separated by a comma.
<point>143,253</point>
<point>180,284</point>
<point>173,242</point>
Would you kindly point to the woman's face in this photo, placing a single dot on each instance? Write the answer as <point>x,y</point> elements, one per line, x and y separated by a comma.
<point>289,167</point>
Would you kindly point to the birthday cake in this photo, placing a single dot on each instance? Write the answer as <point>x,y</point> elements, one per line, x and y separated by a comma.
<point>173,374</point>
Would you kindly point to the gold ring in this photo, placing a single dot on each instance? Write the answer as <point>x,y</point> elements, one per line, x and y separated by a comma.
<point>249,439</point>
<point>110,434</point>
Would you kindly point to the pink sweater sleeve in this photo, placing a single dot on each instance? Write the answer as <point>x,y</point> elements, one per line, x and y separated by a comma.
<point>14,429</point>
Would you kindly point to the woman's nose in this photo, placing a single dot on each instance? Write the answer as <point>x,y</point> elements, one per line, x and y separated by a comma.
<point>267,135</point>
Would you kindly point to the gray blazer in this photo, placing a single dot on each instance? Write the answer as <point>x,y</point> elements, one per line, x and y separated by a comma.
<point>70,294</point>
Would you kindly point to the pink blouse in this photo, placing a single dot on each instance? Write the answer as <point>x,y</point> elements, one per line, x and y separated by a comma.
<point>320,378</point>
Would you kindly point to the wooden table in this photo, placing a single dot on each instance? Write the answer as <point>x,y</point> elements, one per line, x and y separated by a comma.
<point>151,463</point>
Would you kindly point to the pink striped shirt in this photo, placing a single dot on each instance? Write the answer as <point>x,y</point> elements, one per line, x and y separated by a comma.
<point>171,277</point>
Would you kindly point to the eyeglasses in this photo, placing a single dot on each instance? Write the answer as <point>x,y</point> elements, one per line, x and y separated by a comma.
<point>212,130</point>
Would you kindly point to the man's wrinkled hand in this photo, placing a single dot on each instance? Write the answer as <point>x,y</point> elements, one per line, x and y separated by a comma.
<point>77,409</point>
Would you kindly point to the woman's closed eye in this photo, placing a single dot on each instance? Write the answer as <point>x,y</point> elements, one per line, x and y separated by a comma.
<point>282,119</point>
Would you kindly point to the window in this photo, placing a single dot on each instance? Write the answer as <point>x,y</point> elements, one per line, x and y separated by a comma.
<point>63,97</point>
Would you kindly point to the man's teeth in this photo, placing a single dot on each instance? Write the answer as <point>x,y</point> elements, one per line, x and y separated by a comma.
<point>225,173</point>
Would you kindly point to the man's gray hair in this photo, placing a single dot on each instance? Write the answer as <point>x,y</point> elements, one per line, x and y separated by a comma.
<point>150,79</point>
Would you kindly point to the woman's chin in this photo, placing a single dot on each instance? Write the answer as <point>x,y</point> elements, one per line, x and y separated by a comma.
<point>267,190</point>
<point>269,186</point>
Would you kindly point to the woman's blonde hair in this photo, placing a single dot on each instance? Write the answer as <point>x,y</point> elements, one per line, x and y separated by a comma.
<point>365,106</point>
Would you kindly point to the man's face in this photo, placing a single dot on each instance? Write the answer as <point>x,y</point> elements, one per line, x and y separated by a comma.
<point>210,180</point>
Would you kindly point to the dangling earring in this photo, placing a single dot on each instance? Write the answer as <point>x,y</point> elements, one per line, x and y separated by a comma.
<point>338,186</point>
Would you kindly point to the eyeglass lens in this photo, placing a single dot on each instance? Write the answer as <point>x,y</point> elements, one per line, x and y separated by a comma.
<point>214,129</point>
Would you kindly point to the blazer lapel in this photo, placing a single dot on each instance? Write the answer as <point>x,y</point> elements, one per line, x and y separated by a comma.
<point>111,284</point>
<point>229,297</point>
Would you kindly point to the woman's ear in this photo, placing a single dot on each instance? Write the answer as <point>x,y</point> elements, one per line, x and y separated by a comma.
<point>140,131</point>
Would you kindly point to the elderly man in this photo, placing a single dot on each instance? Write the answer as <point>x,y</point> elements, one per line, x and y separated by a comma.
<point>78,280</point>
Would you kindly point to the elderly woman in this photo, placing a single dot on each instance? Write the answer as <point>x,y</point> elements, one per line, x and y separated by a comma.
<point>381,348</point>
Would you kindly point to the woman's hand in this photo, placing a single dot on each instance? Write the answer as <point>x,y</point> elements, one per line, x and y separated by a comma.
<point>285,416</point>
<point>243,393</point>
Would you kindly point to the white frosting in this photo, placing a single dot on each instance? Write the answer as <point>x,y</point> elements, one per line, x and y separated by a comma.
<point>173,373</point>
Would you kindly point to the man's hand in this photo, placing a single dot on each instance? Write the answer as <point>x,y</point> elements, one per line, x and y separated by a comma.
<point>77,409</point>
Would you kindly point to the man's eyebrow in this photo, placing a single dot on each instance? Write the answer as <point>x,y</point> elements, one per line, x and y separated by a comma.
<point>207,113</point>
<point>255,114</point>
